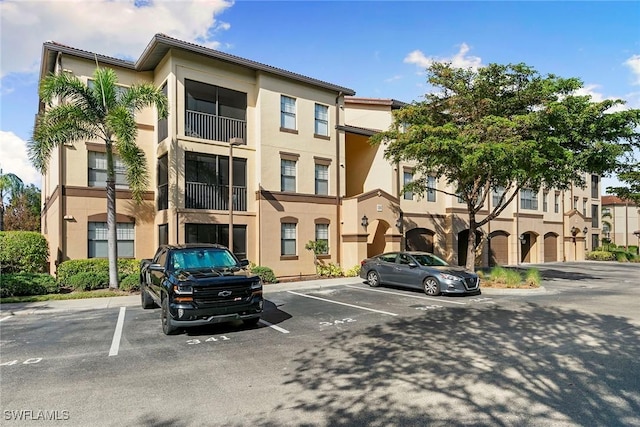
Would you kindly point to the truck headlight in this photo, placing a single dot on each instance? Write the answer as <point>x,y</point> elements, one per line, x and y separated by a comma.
<point>256,285</point>
<point>183,289</point>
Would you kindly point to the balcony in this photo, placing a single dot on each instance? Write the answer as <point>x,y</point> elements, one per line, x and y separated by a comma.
<point>213,127</point>
<point>214,197</point>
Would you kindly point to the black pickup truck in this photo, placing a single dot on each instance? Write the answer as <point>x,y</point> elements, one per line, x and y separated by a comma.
<point>199,284</point>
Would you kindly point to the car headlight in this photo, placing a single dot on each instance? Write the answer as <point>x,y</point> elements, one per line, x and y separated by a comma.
<point>449,276</point>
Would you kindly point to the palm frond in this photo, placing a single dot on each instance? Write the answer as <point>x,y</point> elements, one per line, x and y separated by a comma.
<point>105,88</point>
<point>64,123</point>
<point>70,89</point>
<point>146,95</point>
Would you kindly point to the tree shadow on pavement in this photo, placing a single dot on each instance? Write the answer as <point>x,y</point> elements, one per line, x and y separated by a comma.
<point>455,366</point>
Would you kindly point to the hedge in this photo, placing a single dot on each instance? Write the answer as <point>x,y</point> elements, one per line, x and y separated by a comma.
<point>23,252</point>
<point>96,266</point>
<point>23,284</point>
<point>265,273</point>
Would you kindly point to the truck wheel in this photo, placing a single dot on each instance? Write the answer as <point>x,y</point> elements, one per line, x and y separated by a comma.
<point>167,322</point>
<point>251,322</point>
<point>145,300</point>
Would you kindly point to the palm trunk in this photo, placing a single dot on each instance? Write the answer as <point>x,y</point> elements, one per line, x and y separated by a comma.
<point>112,242</point>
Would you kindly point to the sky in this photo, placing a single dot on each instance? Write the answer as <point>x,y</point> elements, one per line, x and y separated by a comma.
<point>380,49</point>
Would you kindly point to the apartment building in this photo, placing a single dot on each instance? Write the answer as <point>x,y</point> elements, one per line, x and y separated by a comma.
<point>301,169</point>
<point>620,221</point>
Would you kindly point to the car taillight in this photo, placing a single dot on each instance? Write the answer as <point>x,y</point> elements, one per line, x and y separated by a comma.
<point>362,263</point>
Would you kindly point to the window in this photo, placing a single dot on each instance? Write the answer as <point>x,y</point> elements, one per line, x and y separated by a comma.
<point>496,195</point>
<point>556,203</point>
<point>594,216</point>
<point>575,203</point>
<point>322,179</point>
<point>218,233</point>
<point>98,170</point>
<point>528,199</point>
<point>584,206</point>
<point>595,186</point>
<point>287,112</point>
<point>322,120</point>
<point>162,201</point>
<point>595,241</point>
<point>322,235</point>
<point>545,201</point>
<point>287,175</point>
<point>163,234</point>
<point>408,177</point>
<point>163,124</point>
<point>288,239</point>
<point>97,235</point>
<point>431,189</point>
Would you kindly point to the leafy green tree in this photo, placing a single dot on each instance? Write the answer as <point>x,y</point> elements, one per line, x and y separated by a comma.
<point>23,212</point>
<point>318,247</point>
<point>631,188</point>
<point>102,111</point>
<point>10,186</point>
<point>505,128</point>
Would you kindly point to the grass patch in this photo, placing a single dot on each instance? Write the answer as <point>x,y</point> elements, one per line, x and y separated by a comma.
<point>500,277</point>
<point>72,295</point>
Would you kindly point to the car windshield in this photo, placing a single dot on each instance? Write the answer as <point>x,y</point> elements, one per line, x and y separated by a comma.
<point>203,259</point>
<point>428,260</point>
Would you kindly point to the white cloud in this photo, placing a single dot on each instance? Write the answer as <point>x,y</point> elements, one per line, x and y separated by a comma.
<point>14,159</point>
<point>596,96</point>
<point>634,64</point>
<point>111,27</point>
<point>394,78</point>
<point>459,60</point>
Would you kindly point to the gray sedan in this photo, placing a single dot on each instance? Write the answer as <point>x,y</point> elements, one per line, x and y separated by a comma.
<point>421,270</point>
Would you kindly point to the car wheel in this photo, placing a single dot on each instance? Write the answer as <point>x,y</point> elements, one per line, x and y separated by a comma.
<point>251,322</point>
<point>167,322</point>
<point>431,286</point>
<point>373,278</point>
<point>145,300</point>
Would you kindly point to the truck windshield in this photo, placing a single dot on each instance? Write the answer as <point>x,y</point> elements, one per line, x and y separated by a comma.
<point>202,259</point>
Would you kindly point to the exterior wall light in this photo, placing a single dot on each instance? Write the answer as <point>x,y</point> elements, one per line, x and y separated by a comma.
<point>522,238</point>
<point>365,221</point>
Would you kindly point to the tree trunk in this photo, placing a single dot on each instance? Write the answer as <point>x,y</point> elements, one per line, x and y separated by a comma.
<point>471,244</point>
<point>112,242</point>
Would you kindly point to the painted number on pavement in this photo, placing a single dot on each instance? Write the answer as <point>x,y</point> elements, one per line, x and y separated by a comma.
<point>210,339</point>
<point>31,361</point>
<point>337,322</point>
<point>429,307</point>
<point>482,300</point>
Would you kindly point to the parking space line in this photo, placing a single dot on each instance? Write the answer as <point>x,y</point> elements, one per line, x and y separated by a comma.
<point>271,325</point>
<point>115,344</point>
<point>343,303</point>
<point>405,295</point>
<point>5,318</point>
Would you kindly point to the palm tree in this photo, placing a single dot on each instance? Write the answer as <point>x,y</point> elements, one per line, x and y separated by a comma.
<point>10,185</point>
<point>102,111</point>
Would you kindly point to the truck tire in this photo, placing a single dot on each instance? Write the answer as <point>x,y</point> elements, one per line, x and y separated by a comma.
<point>167,322</point>
<point>145,300</point>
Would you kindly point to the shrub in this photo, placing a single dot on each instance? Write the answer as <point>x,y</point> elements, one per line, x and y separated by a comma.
<point>532,278</point>
<point>23,252</point>
<point>22,284</point>
<point>88,281</point>
<point>621,257</point>
<point>330,270</point>
<point>504,276</point>
<point>72,267</point>
<point>601,256</point>
<point>633,249</point>
<point>353,271</point>
<point>265,273</point>
<point>130,282</point>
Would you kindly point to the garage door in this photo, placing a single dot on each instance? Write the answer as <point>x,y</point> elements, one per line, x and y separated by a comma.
<point>420,239</point>
<point>499,248</point>
<point>550,247</point>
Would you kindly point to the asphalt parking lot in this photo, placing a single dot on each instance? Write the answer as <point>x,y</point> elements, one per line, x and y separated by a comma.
<point>341,353</point>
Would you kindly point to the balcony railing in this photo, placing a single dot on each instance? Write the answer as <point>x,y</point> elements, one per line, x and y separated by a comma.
<point>212,127</point>
<point>215,197</point>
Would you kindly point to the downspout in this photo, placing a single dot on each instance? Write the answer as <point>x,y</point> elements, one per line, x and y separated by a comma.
<point>175,149</point>
<point>564,255</point>
<point>338,181</point>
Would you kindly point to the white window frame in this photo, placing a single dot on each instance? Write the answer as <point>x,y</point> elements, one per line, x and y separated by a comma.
<point>321,177</point>
<point>288,112</point>
<point>95,159</point>
<point>288,234</point>
<point>286,177</point>
<point>321,123</point>
<point>97,239</point>
<point>322,234</point>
